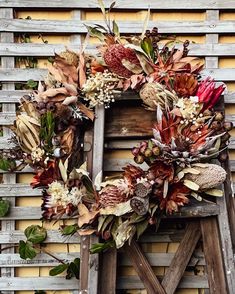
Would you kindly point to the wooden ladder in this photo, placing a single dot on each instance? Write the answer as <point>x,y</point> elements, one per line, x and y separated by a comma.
<point>209,221</point>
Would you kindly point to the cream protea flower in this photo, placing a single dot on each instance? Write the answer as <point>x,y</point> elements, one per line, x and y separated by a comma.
<point>58,192</point>
<point>154,94</point>
<point>189,108</point>
<point>75,195</point>
<point>37,154</point>
<point>100,89</point>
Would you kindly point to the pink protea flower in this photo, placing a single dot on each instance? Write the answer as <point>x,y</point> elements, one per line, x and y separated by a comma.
<point>114,56</point>
<point>208,93</point>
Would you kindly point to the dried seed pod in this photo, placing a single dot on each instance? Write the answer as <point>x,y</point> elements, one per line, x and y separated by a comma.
<point>207,112</point>
<point>142,190</point>
<point>139,159</point>
<point>216,125</point>
<point>228,126</point>
<point>70,183</point>
<point>140,205</point>
<point>40,106</point>
<point>219,116</point>
<point>225,137</point>
<point>51,106</point>
<point>148,152</point>
<point>223,156</point>
<point>156,150</point>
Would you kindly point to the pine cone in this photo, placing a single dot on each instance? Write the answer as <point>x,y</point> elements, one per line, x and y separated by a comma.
<point>115,54</point>
<point>154,94</point>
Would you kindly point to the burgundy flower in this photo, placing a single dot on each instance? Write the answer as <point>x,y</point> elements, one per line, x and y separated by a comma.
<point>208,93</point>
<point>44,177</point>
<point>114,56</point>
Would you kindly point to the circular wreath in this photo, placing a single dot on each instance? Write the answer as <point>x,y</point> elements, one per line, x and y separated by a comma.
<point>187,135</point>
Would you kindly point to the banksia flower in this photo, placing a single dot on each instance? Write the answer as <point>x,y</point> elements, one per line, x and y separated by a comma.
<point>71,57</point>
<point>114,57</point>
<point>210,176</point>
<point>185,85</point>
<point>208,94</point>
<point>154,94</point>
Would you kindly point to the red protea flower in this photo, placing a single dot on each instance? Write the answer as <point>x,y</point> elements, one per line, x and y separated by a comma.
<point>44,177</point>
<point>132,173</point>
<point>111,195</point>
<point>115,54</point>
<point>208,94</point>
<point>177,196</point>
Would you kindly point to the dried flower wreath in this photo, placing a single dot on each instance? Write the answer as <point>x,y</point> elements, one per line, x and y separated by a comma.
<point>188,133</point>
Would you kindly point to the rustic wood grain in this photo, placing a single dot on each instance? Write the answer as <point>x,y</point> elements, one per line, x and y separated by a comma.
<point>181,259</point>
<point>213,256</point>
<point>143,268</point>
<point>122,4</point>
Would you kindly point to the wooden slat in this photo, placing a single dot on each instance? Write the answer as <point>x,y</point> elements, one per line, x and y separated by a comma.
<point>74,26</point>
<point>187,282</point>
<point>17,190</point>
<point>122,4</point>
<point>213,256</point>
<point>14,96</point>
<point>143,268</point>
<point>41,260</point>
<point>181,259</point>
<point>161,259</point>
<point>35,283</point>
<point>53,236</point>
<point>45,50</point>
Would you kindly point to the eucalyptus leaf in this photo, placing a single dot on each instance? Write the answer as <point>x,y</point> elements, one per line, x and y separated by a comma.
<point>93,32</point>
<point>141,227</point>
<point>100,247</point>
<point>73,269</point>
<point>116,29</point>
<point>7,164</point>
<point>4,207</point>
<point>69,230</point>
<point>35,234</point>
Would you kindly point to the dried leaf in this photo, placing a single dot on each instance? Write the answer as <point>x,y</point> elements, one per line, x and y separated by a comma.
<point>196,196</point>
<point>63,170</point>
<point>89,113</point>
<point>191,170</point>
<point>136,69</point>
<point>214,192</point>
<point>118,210</point>
<point>147,68</point>
<point>82,70</point>
<point>86,232</point>
<point>191,185</point>
<point>84,215</point>
<point>98,180</point>
<point>70,100</point>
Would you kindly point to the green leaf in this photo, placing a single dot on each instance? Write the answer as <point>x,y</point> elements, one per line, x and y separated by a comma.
<point>4,207</point>
<point>31,84</point>
<point>26,250</point>
<point>58,269</point>
<point>7,164</point>
<point>93,32</point>
<point>35,234</point>
<point>69,230</point>
<point>147,46</point>
<point>141,227</point>
<point>116,29</point>
<point>99,247</point>
<point>73,269</point>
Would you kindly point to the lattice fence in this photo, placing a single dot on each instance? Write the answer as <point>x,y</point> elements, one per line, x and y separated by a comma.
<point>214,30</point>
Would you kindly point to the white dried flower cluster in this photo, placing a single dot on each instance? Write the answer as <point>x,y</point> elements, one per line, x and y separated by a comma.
<point>189,109</point>
<point>100,89</point>
<point>61,196</point>
<point>37,154</point>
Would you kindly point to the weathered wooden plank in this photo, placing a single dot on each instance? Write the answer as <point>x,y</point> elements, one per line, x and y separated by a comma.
<point>76,26</point>
<point>14,96</point>
<point>35,283</point>
<point>161,259</point>
<point>143,268</point>
<point>181,259</point>
<point>53,236</point>
<point>214,258</point>
<point>122,4</point>
<point>17,190</point>
<point>45,50</point>
<point>30,213</point>
<point>41,260</point>
<point>187,282</point>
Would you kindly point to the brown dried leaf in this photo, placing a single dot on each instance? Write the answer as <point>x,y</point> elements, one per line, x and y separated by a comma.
<point>89,113</point>
<point>85,216</point>
<point>82,71</point>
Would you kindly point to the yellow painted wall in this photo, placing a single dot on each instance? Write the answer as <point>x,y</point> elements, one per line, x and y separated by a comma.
<point>64,39</point>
